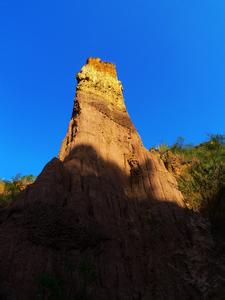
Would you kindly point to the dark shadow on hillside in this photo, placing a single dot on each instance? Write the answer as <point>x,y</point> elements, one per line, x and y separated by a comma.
<point>86,230</point>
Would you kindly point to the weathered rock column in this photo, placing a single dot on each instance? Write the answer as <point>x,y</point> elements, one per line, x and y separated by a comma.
<point>105,220</point>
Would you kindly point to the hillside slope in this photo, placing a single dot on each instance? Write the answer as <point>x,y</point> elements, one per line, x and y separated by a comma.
<point>105,220</point>
<point>200,171</point>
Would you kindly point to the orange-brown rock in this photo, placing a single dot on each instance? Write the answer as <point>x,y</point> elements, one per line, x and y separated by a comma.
<point>105,220</point>
<point>101,66</point>
<point>2,187</point>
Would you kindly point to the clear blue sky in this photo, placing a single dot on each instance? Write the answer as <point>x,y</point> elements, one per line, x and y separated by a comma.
<point>170,56</point>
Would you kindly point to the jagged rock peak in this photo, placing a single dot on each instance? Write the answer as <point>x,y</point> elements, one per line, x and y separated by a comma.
<point>100,78</point>
<point>98,106</point>
<point>101,66</point>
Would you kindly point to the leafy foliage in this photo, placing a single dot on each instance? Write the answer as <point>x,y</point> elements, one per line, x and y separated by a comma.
<point>200,172</point>
<point>10,188</point>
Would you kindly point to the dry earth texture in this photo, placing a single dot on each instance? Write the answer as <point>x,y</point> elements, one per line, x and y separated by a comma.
<point>105,220</point>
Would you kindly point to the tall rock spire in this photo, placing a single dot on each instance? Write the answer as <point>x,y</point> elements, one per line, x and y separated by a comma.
<point>100,121</point>
<point>105,220</point>
<point>99,94</point>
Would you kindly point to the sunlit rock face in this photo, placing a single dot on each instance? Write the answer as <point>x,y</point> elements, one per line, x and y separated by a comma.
<point>100,78</point>
<point>105,220</point>
<point>100,121</point>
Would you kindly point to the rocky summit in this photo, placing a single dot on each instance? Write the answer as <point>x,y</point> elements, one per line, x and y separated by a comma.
<point>105,220</point>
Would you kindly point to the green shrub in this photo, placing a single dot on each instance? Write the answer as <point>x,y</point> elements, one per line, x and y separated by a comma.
<point>200,172</point>
<point>10,188</point>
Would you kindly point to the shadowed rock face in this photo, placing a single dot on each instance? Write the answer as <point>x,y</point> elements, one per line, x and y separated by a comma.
<point>105,220</point>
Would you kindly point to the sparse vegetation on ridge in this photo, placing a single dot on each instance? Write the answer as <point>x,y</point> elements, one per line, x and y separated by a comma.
<point>200,172</point>
<point>10,188</point>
